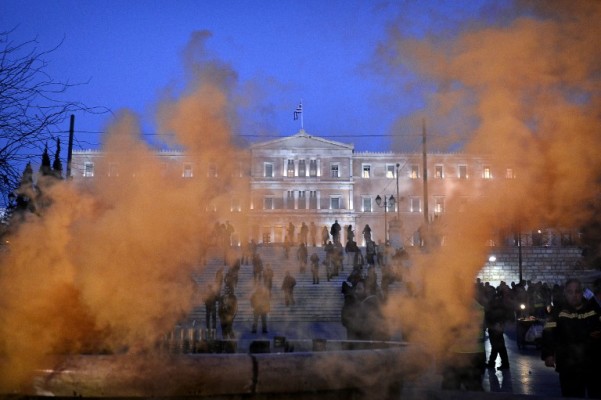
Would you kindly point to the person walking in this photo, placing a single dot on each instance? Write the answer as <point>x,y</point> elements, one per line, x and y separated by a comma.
<point>494,316</point>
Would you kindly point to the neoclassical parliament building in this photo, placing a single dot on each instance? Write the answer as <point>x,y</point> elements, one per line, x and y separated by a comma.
<point>305,178</point>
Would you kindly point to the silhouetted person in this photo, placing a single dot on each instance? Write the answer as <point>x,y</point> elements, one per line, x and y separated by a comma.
<point>302,255</point>
<point>228,307</point>
<point>259,301</point>
<point>288,288</point>
<point>315,268</point>
<point>313,233</point>
<point>210,300</point>
<point>325,236</point>
<point>268,278</point>
<point>335,231</point>
<point>366,233</point>
<point>494,316</point>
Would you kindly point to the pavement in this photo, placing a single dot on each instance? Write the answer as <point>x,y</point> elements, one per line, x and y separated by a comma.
<point>527,376</point>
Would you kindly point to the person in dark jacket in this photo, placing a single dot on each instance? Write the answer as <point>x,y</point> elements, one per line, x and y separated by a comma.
<point>494,317</point>
<point>571,339</point>
<point>288,288</point>
<point>228,307</point>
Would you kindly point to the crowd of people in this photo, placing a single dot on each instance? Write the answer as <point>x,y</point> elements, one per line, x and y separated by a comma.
<point>570,340</point>
<point>362,295</point>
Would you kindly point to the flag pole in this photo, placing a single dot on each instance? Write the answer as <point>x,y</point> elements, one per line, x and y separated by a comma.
<point>302,121</point>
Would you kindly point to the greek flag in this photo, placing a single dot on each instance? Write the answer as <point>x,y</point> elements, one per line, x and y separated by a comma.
<point>298,111</point>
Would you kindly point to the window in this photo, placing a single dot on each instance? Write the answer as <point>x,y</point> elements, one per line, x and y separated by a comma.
<point>463,172</point>
<point>415,205</point>
<point>290,169</point>
<point>335,202</point>
<point>312,167</point>
<point>366,171</point>
<point>187,172</point>
<point>366,204</point>
<point>486,172</point>
<point>335,170</point>
<point>390,171</point>
<point>88,169</point>
<point>302,169</point>
<point>414,172</point>
<point>509,173</point>
<point>313,199</point>
<point>302,200</point>
<point>268,170</point>
<point>236,207</point>
<point>113,169</point>
<point>290,200</point>
<point>268,203</point>
<point>212,171</point>
<point>438,172</point>
<point>439,205</point>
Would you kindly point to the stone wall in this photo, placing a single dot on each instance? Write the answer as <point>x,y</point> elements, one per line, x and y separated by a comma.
<point>546,264</point>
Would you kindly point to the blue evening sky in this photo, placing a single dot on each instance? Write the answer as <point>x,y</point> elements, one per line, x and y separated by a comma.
<point>322,52</point>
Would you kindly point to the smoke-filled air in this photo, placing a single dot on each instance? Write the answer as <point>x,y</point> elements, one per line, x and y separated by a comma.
<point>525,94</point>
<point>108,265</point>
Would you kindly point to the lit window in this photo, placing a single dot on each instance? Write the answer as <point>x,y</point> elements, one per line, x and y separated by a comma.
<point>335,203</point>
<point>438,172</point>
<point>301,204</point>
<point>463,172</point>
<point>439,205</point>
<point>414,172</point>
<point>367,204</point>
<point>335,171</point>
<point>486,173</point>
<point>415,205</point>
<point>509,173</point>
<point>268,170</point>
<point>390,171</point>
<point>187,172</point>
<point>212,171</point>
<point>290,169</point>
<point>268,203</point>
<point>302,170</point>
<point>312,167</point>
<point>88,169</point>
<point>366,173</point>
<point>113,169</point>
<point>313,199</point>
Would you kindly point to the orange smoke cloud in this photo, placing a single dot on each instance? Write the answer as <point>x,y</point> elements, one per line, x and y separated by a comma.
<point>526,94</point>
<point>109,265</point>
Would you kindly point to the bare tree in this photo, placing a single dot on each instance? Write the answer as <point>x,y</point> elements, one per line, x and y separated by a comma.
<point>31,107</point>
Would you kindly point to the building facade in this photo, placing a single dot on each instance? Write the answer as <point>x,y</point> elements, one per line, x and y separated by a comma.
<point>308,179</point>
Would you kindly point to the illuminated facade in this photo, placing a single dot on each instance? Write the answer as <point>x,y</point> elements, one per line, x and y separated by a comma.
<point>305,178</point>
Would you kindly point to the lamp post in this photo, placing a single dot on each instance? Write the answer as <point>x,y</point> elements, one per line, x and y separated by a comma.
<point>387,202</point>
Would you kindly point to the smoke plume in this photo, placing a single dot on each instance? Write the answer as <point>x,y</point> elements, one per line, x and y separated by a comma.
<point>524,93</point>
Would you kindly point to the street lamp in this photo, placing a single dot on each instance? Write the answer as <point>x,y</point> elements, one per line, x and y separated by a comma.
<point>388,202</point>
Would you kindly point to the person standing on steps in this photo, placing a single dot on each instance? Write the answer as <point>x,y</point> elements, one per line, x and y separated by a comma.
<point>260,303</point>
<point>288,288</point>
